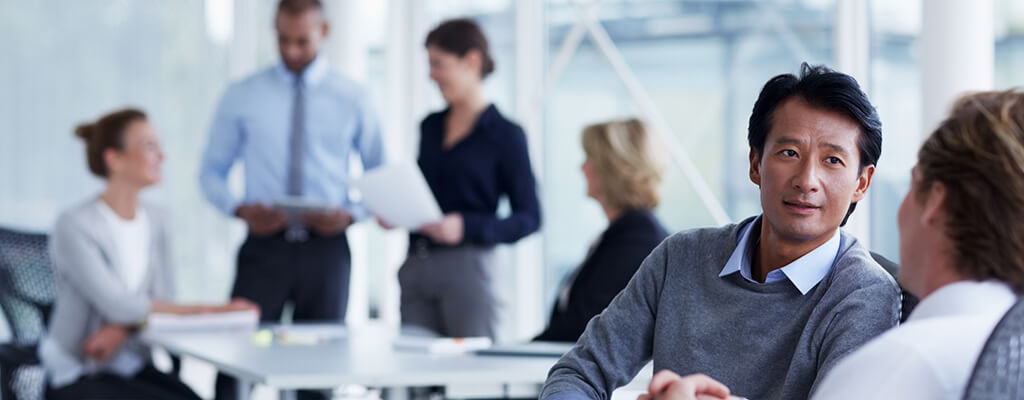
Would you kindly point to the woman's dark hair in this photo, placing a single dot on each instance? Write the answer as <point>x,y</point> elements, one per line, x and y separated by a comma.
<point>459,36</point>
<point>106,133</point>
<point>825,89</point>
<point>299,7</point>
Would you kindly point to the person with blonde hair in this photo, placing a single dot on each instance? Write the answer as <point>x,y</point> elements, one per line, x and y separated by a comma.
<point>624,167</point>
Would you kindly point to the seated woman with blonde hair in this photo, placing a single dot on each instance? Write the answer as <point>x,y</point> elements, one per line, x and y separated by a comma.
<point>623,169</point>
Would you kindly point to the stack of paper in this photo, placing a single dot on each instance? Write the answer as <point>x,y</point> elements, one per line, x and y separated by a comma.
<point>308,334</point>
<point>441,345</point>
<point>247,319</point>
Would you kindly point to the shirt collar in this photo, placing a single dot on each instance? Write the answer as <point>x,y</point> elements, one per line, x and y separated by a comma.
<point>804,272</point>
<point>312,75</point>
<point>965,297</point>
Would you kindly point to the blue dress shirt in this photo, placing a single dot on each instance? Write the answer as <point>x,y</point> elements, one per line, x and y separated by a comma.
<point>804,272</point>
<point>253,122</point>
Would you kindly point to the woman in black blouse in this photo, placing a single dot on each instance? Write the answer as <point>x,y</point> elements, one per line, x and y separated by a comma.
<point>471,156</point>
<point>623,171</point>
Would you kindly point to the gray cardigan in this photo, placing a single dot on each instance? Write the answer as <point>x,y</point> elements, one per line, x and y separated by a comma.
<point>765,341</point>
<point>90,293</point>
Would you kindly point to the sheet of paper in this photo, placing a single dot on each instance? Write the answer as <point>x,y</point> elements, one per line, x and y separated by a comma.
<point>197,322</point>
<point>441,345</point>
<point>398,194</point>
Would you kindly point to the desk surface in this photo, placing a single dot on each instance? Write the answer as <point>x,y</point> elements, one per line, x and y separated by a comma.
<point>362,357</point>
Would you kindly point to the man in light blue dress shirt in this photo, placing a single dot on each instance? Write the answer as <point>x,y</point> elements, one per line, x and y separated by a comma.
<point>294,126</point>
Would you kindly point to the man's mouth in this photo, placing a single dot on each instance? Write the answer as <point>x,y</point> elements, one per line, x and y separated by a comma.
<point>800,206</point>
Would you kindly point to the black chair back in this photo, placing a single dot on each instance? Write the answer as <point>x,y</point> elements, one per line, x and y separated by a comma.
<point>907,300</point>
<point>27,288</point>
<point>27,293</point>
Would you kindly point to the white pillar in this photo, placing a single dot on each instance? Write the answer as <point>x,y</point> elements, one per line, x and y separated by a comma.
<point>347,50</point>
<point>530,29</point>
<point>247,25</point>
<point>346,41</point>
<point>957,53</point>
<point>852,52</point>
<point>406,85</point>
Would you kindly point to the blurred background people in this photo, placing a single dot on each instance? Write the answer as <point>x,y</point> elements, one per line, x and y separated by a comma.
<point>294,126</point>
<point>471,156</point>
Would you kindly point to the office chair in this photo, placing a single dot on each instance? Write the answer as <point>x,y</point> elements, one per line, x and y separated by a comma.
<point>27,291</point>
<point>907,300</point>
<point>999,371</point>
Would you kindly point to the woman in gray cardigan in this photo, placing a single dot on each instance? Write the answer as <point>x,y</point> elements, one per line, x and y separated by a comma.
<point>112,261</point>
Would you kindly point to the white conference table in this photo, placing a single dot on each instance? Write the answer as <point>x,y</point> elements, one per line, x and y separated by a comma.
<point>361,357</point>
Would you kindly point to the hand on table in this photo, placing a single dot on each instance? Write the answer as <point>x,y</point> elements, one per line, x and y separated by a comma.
<point>667,385</point>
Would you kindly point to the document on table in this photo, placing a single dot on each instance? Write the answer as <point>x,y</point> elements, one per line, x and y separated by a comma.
<point>530,349</point>
<point>398,194</point>
<point>160,322</point>
<point>441,345</point>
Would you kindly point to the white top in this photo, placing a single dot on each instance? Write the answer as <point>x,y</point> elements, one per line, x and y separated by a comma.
<point>931,356</point>
<point>131,237</point>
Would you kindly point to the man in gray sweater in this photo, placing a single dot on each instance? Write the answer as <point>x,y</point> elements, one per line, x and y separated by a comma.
<point>769,305</point>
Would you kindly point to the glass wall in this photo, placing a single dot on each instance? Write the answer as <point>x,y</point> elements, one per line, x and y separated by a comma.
<point>69,62</point>
<point>702,63</point>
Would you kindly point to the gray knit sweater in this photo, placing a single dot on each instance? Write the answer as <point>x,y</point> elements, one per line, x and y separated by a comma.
<point>764,341</point>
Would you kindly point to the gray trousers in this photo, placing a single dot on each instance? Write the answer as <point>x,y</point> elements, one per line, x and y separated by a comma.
<point>448,291</point>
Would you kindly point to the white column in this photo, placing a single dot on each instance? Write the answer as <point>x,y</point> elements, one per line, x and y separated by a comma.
<point>852,52</point>
<point>957,53</point>
<point>346,50</point>
<point>530,29</point>
<point>406,86</point>
<point>247,27</point>
<point>346,41</point>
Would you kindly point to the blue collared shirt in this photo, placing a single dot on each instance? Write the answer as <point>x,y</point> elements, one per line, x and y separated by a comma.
<point>804,272</point>
<point>253,123</point>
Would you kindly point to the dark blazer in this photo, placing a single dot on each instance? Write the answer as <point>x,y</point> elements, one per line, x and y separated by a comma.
<point>604,273</point>
<point>471,177</point>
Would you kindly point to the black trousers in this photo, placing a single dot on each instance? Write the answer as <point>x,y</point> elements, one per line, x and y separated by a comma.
<point>149,383</point>
<point>312,275</point>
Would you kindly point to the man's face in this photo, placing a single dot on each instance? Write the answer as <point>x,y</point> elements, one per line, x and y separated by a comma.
<point>299,37</point>
<point>809,172</point>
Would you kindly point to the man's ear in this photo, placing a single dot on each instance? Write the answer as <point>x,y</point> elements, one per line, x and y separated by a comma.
<point>755,167</point>
<point>863,183</point>
<point>934,213</point>
<point>325,29</point>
